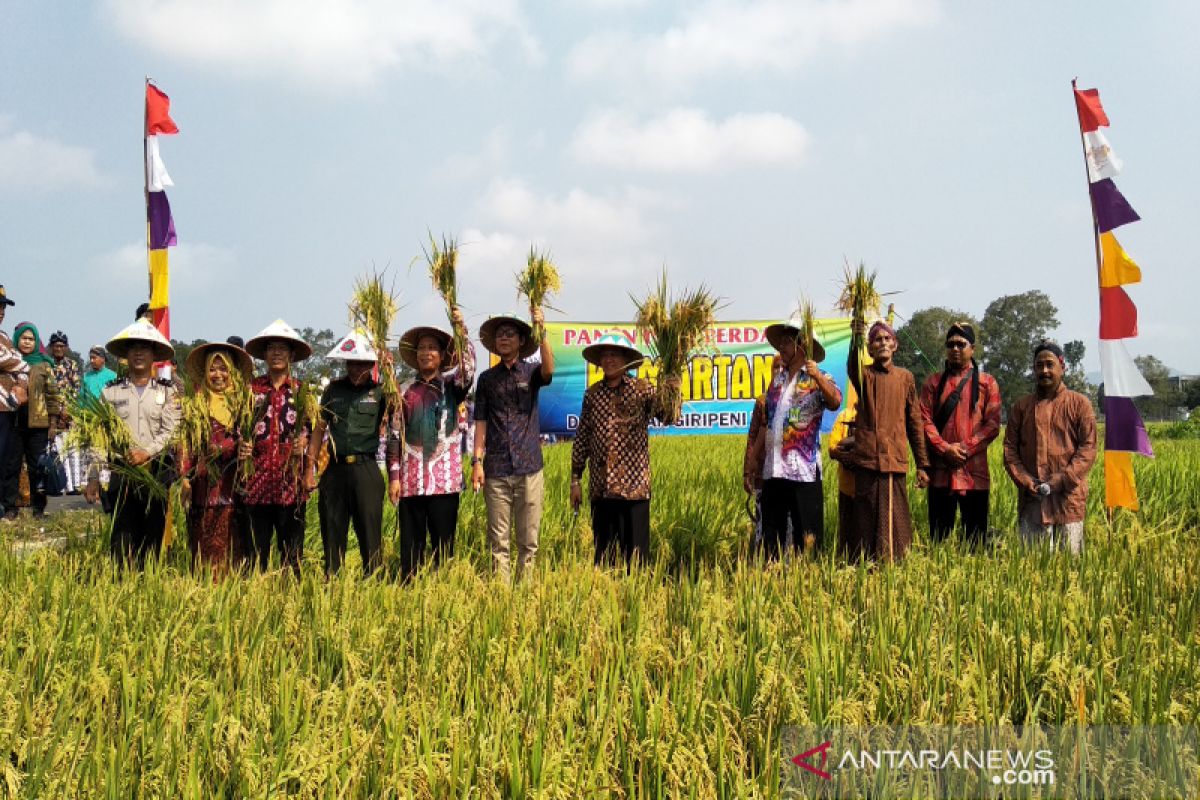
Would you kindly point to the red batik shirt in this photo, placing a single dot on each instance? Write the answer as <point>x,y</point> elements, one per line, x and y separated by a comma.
<point>974,427</point>
<point>277,475</point>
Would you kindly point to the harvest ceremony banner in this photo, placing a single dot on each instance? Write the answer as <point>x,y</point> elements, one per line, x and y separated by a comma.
<point>718,389</point>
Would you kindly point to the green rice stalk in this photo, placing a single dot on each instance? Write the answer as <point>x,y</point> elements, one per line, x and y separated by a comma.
<point>307,402</point>
<point>538,282</point>
<point>442,261</point>
<point>97,428</point>
<point>674,329</point>
<point>373,309</point>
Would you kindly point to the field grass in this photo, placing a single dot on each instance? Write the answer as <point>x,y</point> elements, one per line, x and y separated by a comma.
<point>672,681</point>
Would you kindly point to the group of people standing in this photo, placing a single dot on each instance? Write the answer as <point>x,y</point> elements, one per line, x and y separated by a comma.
<point>249,484</point>
<point>39,383</point>
<point>947,426</point>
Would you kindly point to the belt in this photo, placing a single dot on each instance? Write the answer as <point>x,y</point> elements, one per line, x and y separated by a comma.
<point>354,458</point>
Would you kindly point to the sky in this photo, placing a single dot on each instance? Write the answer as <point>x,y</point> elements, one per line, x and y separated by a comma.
<point>750,146</point>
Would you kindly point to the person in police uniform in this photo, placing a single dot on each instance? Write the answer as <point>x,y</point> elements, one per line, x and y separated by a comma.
<point>151,409</point>
<point>353,412</point>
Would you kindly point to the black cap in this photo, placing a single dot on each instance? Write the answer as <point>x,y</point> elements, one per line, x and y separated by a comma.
<point>4,301</point>
<point>57,337</point>
<point>236,341</point>
<point>141,311</point>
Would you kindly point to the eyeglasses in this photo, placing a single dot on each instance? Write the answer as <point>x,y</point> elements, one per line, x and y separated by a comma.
<point>957,344</point>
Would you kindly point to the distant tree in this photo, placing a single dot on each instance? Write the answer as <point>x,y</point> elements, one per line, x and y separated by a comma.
<point>923,340</point>
<point>1012,326</point>
<point>1191,393</point>
<point>316,366</point>
<point>1166,400</point>
<point>183,349</point>
<point>1076,378</point>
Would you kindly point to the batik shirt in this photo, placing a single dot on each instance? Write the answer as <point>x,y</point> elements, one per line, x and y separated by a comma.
<point>66,375</point>
<point>612,438</point>
<point>429,459</point>
<point>277,457</point>
<point>794,408</point>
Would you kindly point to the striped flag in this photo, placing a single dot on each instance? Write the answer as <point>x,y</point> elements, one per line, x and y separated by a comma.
<point>160,226</point>
<point>1125,433</point>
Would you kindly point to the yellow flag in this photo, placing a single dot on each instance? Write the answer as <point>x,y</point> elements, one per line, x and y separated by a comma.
<point>158,279</point>
<point>1116,267</point>
<point>1119,489</point>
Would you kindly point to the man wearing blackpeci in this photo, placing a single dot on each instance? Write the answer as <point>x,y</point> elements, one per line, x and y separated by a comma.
<point>1049,449</point>
<point>960,409</point>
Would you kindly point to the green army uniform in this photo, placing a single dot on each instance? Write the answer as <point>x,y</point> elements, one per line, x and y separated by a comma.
<point>352,487</point>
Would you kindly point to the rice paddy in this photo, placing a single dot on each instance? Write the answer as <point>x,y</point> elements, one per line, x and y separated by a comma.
<point>670,681</point>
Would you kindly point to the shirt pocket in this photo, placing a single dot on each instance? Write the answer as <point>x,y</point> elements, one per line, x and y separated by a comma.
<point>524,397</point>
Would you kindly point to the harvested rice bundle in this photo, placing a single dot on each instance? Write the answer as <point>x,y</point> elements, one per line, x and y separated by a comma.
<point>373,308</point>
<point>674,330</point>
<point>96,428</point>
<point>442,261</point>
<point>537,282</point>
<point>858,298</point>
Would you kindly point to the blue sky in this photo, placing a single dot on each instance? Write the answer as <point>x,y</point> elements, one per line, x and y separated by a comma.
<point>748,145</point>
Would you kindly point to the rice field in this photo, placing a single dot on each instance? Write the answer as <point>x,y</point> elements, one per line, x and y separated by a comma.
<point>672,681</point>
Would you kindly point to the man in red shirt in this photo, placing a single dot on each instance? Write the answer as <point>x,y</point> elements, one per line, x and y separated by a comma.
<point>960,408</point>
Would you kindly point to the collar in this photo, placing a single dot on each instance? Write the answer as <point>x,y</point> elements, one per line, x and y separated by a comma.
<point>625,381</point>
<point>1062,387</point>
<point>875,365</point>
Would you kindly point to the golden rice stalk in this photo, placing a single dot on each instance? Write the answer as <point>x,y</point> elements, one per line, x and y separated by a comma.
<point>674,330</point>
<point>859,295</point>
<point>442,260</point>
<point>373,308</point>
<point>807,314</point>
<point>538,282</point>
<point>96,428</point>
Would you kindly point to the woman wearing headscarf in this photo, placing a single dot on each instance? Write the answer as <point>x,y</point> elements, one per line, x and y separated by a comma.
<point>36,424</point>
<point>210,475</point>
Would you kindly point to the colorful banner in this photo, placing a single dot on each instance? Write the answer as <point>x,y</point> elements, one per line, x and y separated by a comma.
<point>719,388</point>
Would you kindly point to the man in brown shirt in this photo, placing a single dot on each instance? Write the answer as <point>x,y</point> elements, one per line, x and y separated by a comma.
<point>888,423</point>
<point>612,436</point>
<point>1049,448</point>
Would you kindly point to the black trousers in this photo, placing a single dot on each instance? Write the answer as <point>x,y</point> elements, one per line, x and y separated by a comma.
<point>802,502</point>
<point>621,524</point>
<point>25,445</point>
<point>8,421</point>
<point>284,524</point>
<point>436,514</point>
<point>352,492</point>
<point>943,504</point>
<point>137,524</point>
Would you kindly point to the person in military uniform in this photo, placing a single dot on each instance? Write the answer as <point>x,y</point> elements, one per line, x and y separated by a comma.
<point>353,412</point>
<point>151,410</point>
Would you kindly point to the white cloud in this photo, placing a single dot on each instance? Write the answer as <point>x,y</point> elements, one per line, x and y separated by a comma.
<point>725,36</point>
<point>197,270</point>
<point>687,140</point>
<point>29,161</point>
<point>602,243</point>
<point>325,42</point>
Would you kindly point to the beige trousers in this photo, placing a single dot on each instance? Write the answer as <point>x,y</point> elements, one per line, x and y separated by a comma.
<point>514,506</point>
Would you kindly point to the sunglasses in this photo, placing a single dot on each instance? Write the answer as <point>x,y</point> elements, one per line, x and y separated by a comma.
<point>957,344</point>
